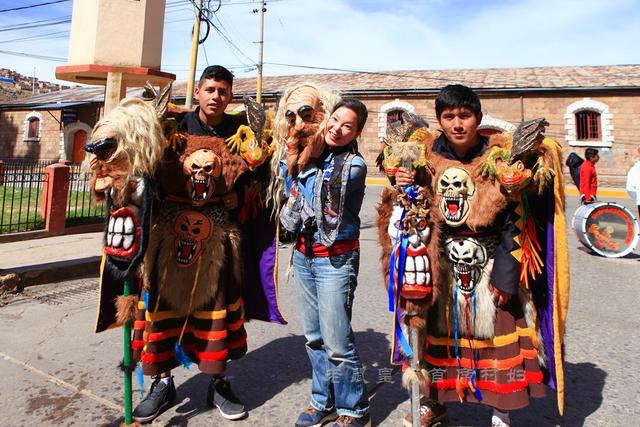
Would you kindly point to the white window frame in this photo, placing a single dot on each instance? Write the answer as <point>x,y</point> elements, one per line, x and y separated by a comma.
<point>606,127</point>
<point>25,132</point>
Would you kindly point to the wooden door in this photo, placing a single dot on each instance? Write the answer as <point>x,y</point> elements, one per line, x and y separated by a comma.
<point>79,140</point>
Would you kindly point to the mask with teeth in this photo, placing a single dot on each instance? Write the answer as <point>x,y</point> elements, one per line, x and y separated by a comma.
<point>455,189</point>
<point>417,273</point>
<point>202,169</point>
<point>191,229</point>
<point>468,258</point>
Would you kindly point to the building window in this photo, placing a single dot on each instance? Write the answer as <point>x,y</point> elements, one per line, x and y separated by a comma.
<point>34,128</point>
<point>391,114</point>
<point>587,125</point>
<point>394,118</point>
<point>32,131</point>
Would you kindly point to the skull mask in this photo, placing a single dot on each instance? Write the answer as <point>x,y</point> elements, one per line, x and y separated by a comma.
<point>455,188</point>
<point>202,168</point>
<point>191,229</point>
<point>417,276</point>
<point>468,258</point>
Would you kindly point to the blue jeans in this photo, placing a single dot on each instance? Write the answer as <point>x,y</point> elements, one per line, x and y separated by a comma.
<point>326,286</point>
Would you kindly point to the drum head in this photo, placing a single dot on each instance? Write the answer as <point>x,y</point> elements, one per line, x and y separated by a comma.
<point>609,229</point>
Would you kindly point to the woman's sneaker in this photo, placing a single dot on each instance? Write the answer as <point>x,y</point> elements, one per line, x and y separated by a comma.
<point>311,417</point>
<point>221,396</point>
<point>161,396</point>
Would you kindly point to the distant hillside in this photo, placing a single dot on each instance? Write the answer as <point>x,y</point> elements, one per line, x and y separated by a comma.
<point>22,86</point>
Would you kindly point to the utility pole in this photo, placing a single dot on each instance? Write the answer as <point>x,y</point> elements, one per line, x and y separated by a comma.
<point>263,9</point>
<point>194,56</point>
<point>33,82</point>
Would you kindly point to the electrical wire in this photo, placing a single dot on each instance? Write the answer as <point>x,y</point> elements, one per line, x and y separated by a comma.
<point>33,5</point>
<point>37,37</point>
<point>34,25</point>
<point>32,55</point>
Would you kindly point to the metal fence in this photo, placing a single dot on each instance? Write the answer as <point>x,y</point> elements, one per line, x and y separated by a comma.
<point>81,207</point>
<point>21,186</point>
<point>21,183</point>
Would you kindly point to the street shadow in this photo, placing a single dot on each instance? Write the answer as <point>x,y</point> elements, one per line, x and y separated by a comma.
<point>584,384</point>
<point>267,371</point>
<point>592,253</point>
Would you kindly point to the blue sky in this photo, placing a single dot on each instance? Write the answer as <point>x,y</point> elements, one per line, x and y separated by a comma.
<point>372,35</point>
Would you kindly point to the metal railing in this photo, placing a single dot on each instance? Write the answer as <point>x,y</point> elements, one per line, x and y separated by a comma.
<point>21,183</point>
<point>81,207</point>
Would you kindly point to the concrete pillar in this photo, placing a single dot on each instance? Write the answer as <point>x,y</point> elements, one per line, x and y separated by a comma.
<point>54,197</point>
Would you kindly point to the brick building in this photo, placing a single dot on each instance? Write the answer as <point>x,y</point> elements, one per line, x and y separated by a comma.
<point>595,106</point>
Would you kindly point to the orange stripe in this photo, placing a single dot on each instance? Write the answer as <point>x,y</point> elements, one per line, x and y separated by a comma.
<point>530,378</point>
<point>497,341</point>
<point>210,315</point>
<point>483,363</point>
<point>156,358</point>
<point>211,335</point>
<point>137,344</point>
<point>236,305</point>
<point>139,324</point>
<point>237,343</point>
<point>213,356</point>
<point>235,325</point>
<point>161,315</point>
<point>170,333</point>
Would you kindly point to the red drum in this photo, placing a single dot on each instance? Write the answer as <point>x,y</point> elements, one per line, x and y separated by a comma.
<point>608,229</point>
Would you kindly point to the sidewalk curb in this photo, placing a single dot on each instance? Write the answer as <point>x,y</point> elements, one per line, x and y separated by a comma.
<point>21,277</point>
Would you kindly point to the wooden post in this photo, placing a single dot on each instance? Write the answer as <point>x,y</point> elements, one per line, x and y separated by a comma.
<point>115,90</point>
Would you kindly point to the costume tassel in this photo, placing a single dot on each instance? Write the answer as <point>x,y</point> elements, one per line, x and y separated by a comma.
<point>181,355</point>
<point>140,379</point>
<point>145,298</point>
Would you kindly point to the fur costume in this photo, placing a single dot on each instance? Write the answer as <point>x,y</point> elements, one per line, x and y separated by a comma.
<point>486,210</point>
<point>195,286</point>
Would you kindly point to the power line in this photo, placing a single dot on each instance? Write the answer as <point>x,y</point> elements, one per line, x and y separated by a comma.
<point>13,26</point>
<point>32,6</point>
<point>37,37</point>
<point>34,25</point>
<point>32,55</point>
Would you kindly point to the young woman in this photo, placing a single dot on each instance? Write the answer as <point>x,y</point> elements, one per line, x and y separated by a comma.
<point>325,200</point>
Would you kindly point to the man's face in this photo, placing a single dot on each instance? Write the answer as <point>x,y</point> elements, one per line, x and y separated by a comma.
<point>213,96</point>
<point>460,126</point>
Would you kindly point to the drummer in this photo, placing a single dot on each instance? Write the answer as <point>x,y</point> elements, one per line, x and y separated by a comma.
<point>588,176</point>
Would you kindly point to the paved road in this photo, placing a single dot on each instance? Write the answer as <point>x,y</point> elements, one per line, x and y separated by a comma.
<point>56,372</point>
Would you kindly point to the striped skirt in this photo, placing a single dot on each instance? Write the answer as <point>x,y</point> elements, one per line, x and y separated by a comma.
<point>506,367</point>
<point>211,335</point>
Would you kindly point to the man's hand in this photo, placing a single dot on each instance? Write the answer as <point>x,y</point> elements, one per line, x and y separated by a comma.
<point>405,176</point>
<point>500,298</point>
<point>230,200</point>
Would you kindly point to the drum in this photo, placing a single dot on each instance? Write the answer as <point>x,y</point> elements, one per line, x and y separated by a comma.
<point>608,229</point>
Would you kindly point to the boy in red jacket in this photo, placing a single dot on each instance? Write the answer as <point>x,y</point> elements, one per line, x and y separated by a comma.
<point>588,176</point>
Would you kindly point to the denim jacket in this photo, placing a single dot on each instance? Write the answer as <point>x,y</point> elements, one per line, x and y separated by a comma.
<point>305,182</point>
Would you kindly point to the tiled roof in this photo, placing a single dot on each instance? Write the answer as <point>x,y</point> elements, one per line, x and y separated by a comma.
<point>577,77</point>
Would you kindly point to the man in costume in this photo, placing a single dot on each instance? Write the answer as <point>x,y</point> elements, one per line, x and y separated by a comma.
<point>495,315</point>
<point>195,294</point>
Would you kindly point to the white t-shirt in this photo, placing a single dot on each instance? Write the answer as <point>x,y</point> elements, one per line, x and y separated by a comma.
<point>633,182</point>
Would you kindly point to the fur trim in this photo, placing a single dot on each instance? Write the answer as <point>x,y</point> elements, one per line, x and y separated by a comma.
<point>410,375</point>
<point>232,165</point>
<point>485,319</point>
<point>528,309</point>
<point>126,308</point>
<point>179,281</point>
